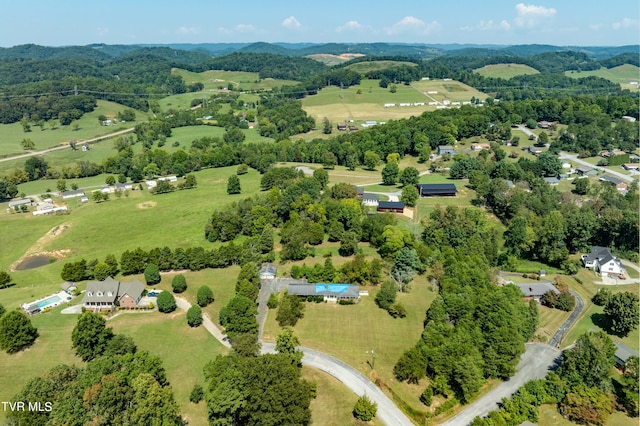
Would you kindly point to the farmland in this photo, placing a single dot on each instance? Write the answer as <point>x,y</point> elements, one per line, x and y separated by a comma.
<point>505,71</point>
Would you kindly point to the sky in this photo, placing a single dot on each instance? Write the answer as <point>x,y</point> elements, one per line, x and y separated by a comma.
<point>502,22</point>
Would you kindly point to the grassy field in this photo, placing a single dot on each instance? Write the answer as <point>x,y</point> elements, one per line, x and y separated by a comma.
<point>95,230</point>
<point>12,134</point>
<point>351,332</point>
<point>161,334</point>
<point>348,104</point>
<point>623,75</point>
<point>506,71</point>
<point>365,67</point>
<point>549,416</point>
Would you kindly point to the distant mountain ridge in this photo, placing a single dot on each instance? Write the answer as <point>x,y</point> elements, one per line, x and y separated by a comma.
<point>105,52</point>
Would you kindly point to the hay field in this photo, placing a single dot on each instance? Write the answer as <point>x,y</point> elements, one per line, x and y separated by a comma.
<point>505,71</point>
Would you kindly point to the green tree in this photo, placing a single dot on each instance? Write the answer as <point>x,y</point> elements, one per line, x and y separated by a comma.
<point>16,331</point>
<point>239,316</point>
<point>589,361</point>
<point>179,283</point>
<point>549,164</point>
<point>322,176</point>
<point>197,394</point>
<point>91,336</point>
<point>194,316</point>
<point>390,173</point>
<point>409,176</point>
<point>5,279</point>
<point>152,274</point>
<point>113,265</point>
<point>233,185</point>
<point>409,195</point>
<point>166,302</point>
<point>623,312</point>
<point>27,144</point>
<point>587,405</point>
<point>287,343</point>
<point>327,128</point>
<point>61,185</point>
<point>110,180</point>
<point>120,344</point>
<point>582,186</point>
<point>387,294</point>
<point>204,296</point>
<point>290,310</point>
<point>101,271</point>
<point>2,310</point>
<point>365,409</point>
<point>371,160</point>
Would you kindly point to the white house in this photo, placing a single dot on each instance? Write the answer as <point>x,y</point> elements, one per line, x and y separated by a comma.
<point>268,271</point>
<point>601,260</point>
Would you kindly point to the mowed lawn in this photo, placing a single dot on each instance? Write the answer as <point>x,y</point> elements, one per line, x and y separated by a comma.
<point>165,335</point>
<point>350,333</point>
<point>12,134</point>
<point>506,71</point>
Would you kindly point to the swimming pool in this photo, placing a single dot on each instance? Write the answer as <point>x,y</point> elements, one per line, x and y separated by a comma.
<point>51,300</point>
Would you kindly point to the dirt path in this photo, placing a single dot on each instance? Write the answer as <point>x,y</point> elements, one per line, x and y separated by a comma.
<point>38,248</point>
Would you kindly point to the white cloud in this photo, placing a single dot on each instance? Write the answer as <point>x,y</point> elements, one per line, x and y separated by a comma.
<point>529,15</point>
<point>350,26</point>
<point>291,22</point>
<point>625,23</point>
<point>188,30</point>
<point>595,27</point>
<point>244,28</point>
<point>490,25</point>
<point>413,24</point>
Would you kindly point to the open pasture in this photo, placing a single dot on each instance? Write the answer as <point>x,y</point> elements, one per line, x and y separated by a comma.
<point>365,67</point>
<point>89,127</point>
<point>506,71</point>
<point>623,75</point>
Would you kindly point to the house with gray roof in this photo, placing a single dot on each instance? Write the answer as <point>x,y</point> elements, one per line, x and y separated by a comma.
<point>446,149</point>
<point>369,199</point>
<point>601,260</point>
<point>536,290</point>
<point>72,194</point>
<point>623,353</point>
<point>586,170</point>
<point>330,292</point>
<point>552,180</point>
<point>108,294</point>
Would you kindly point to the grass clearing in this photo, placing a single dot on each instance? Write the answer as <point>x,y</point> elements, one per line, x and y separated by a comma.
<point>549,416</point>
<point>89,127</point>
<point>351,332</point>
<point>622,75</point>
<point>365,67</point>
<point>506,71</point>
<point>161,334</point>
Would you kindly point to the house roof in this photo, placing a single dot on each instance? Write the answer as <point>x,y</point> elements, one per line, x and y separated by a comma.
<point>19,202</point>
<point>111,290</point>
<point>370,196</point>
<point>623,351</point>
<point>551,180</point>
<point>598,253</point>
<point>445,148</point>
<point>611,179</point>
<point>509,183</point>
<point>66,286</point>
<point>320,289</point>
<point>268,268</point>
<point>360,190</point>
<point>390,205</point>
<point>584,169</point>
<point>134,289</point>
<point>73,193</point>
<point>537,289</point>
<point>101,291</point>
<point>436,188</point>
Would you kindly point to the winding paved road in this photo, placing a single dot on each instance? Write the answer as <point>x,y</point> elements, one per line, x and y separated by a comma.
<point>536,361</point>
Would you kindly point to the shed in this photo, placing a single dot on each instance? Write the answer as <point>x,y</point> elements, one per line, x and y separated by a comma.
<point>391,207</point>
<point>623,353</point>
<point>268,271</point>
<point>369,199</point>
<point>446,149</point>
<point>437,189</point>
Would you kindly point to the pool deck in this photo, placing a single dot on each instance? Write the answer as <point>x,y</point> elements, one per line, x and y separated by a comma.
<point>63,295</point>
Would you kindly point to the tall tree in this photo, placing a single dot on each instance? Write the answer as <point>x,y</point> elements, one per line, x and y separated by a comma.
<point>589,361</point>
<point>623,312</point>
<point>233,185</point>
<point>16,331</point>
<point>90,336</point>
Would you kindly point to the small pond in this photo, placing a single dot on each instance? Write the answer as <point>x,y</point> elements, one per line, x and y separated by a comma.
<point>34,262</point>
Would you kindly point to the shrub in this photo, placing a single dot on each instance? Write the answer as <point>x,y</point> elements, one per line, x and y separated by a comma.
<point>196,394</point>
<point>601,297</point>
<point>204,296</point>
<point>179,283</point>
<point>427,396</point>
<point>273,301</point>
<point>152,274</point>
<point>346,302</point>
<point>194,316</point>
<point>397,310</point>
<point>365,409</point>
<point>166,302</point>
